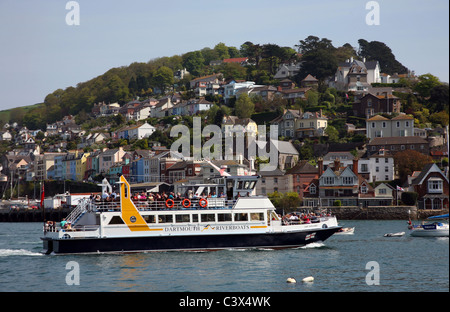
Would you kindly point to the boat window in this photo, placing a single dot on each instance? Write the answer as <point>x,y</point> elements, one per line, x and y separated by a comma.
<point>183,218</point>
<point>224,217</point>
<point>116,220</point>
<point>256,216</point>
<point>240,217</point>
<point>165,218</point>
<point>240,185</point>
<point>149,218</point>
<point>252,184</point>
<point>247,184</point>
<point>210,217</point>
<point>195,218</point>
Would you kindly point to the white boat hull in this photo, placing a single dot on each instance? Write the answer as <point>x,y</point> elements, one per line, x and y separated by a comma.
<point>429,233</point>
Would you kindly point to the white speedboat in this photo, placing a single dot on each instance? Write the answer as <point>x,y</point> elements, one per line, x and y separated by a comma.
<point>431,229</point>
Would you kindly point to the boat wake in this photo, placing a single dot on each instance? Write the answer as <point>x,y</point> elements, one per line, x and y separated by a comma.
<point>313,245</point>
<point>18,252</point>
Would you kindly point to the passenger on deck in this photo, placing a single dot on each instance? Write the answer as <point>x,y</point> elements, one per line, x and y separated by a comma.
<point>63,223</point>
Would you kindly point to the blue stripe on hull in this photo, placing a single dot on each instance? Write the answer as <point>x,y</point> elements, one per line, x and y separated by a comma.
<point>191,242</point>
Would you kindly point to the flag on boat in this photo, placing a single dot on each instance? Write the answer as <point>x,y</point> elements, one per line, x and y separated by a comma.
<point>400,189</point>
<point>42,196</point>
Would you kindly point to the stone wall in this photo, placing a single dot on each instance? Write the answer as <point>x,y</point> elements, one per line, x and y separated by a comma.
<point>383,213</point>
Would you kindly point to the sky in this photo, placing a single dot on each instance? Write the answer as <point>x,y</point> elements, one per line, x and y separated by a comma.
<point>40,52</point>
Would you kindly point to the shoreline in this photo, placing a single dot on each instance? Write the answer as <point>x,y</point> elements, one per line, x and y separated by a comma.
<point>341,213</point>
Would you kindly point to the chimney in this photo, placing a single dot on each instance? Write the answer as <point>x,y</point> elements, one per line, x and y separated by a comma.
<point>320,164</point>
<point>337,164</point>
<point>355,165</point>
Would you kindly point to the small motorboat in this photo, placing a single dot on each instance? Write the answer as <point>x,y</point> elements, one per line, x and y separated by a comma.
<point>398,234</point>
<point>346,231</point>
<point>431,229</point>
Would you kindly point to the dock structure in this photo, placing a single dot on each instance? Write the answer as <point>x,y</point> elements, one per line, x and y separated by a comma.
<point>33,215</point>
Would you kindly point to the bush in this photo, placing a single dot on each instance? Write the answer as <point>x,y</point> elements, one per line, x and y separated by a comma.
<point>337,203</point>
<point>409,198</point>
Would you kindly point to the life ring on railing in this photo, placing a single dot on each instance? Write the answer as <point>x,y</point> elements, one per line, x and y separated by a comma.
<point>186,203</point>
<point>204,201</point>
<point>170,203</point>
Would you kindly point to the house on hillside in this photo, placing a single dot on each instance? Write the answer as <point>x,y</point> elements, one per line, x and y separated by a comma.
<point>343,186</point>
<point>287,71</point>
<point>296,124</point>
<point>357,76</point>
<point>303,173</point>
<point>398,144</point>
<point>273,181</point>
<point>371,104</point>
<point>135,132</point>
<point>379,126</point>
<point>433,188</point>
<point>229,124</point>
<point>309,82</point>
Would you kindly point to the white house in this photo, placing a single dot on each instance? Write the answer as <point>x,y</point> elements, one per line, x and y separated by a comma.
<point>234,87</point>
<point>287,71</point>
<point>142,131</point>
<point>135,132</point>
<point>354,75</point>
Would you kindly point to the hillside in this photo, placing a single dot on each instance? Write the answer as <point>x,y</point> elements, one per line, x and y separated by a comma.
<point>155,78</point>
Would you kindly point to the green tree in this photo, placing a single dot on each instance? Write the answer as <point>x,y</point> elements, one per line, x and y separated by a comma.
<point>378,51</point>
<point>440,118</point>
<point>222,51</point>
<point>312,98</point>
<point>439,96</point>
<point>244,106</point>
<point>319,58</point>
<point>163,78</point>
<point>194,62</point>
<point>426,83</point>
<point>333,134</point>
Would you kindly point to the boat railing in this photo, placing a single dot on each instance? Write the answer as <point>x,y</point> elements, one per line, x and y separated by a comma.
<point>54,227</point>
<point>171,204</point>
<point>312,220</point>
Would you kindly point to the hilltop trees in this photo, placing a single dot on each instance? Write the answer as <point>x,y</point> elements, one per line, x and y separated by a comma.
<point>318,59</point>
<point>378,51</point>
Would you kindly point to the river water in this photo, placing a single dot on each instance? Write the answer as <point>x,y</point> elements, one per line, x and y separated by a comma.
<point>363,262</point>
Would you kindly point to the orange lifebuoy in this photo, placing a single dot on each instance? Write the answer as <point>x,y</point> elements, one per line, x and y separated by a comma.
<point>204,201</point>
<point>186,203</point>
<point>170,203</point>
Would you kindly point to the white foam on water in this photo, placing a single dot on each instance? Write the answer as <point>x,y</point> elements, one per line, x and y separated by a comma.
<point>18,252</point>
<point>313,245</point>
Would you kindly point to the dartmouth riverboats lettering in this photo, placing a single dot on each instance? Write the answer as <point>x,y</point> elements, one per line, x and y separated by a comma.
<point>196,228</point>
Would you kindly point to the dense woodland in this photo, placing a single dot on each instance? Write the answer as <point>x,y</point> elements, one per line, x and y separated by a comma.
<point>427,100</point>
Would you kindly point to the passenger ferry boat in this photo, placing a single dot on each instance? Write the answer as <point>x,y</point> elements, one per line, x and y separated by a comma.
<point>238,220</point>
